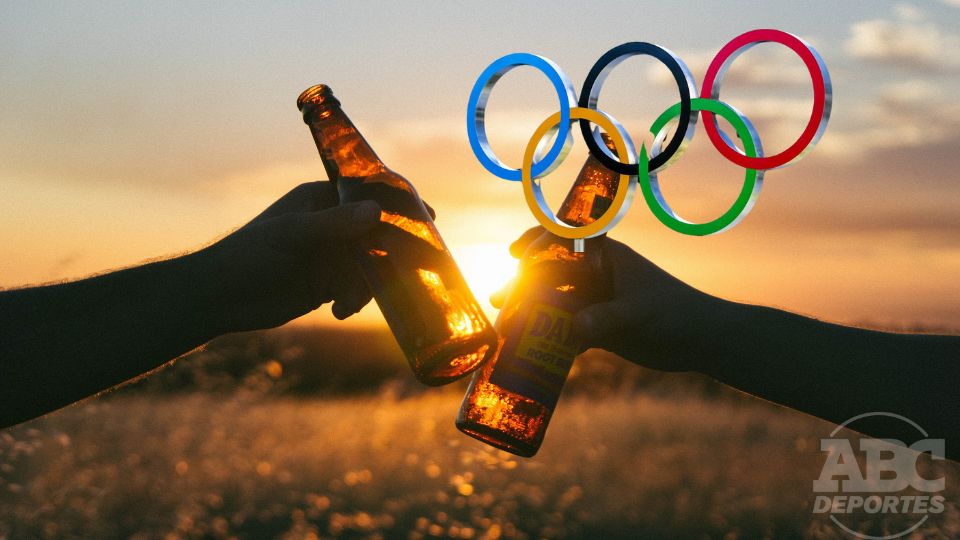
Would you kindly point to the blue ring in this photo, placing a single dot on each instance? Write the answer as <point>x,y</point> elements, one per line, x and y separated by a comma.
<point>476,108</point>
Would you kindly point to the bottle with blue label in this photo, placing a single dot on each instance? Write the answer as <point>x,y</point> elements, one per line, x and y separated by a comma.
<point>510,400</point>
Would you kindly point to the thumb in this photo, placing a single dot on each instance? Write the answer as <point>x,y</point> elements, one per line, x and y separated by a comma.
<point>521,244</point>
<point>498,297</point>
<point>345,221</point>
<point>598,323</point>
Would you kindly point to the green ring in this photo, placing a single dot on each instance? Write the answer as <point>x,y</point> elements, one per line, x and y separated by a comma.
<point>752,181</point>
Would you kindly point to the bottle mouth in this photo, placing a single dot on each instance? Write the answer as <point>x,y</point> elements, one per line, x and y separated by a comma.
<point>607,140</point>
<point>318,94</point>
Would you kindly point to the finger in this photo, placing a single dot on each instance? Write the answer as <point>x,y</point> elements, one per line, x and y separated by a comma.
<point>343,222</point>
<point>500,296</point>
<point>520,244</point>
<point>629,268</point>
<point>430,210</point>
<point>305,231</point>
<point>597,324</point>
<point>348,308</point>
<point>497,298</point>
<point>351,294</point>
<point>617,252</point>
<point>307,197</point>
<point>324,195</point>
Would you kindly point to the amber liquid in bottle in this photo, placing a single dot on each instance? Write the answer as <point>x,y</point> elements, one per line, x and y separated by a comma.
<point>509,402</point>
<point>436,320</point>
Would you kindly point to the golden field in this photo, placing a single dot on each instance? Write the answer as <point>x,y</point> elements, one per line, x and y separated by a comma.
<point>637,461</point>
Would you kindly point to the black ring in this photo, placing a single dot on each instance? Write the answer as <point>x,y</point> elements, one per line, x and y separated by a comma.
<point>599,72</point>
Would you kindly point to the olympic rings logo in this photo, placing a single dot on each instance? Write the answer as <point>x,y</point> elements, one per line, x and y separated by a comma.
<point>538,161</point>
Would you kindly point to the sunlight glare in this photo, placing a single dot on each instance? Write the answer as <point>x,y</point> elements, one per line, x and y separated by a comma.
<point>487,268</point>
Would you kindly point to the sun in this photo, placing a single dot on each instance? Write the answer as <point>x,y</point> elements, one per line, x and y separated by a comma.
<point>487,268</point>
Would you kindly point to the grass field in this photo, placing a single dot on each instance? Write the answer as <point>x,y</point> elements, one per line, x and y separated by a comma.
<point>314,432</point>
<point>205,465</point>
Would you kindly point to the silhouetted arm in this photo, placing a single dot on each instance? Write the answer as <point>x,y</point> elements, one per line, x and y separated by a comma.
<point>836,372</point>
<point>830,371</point>
<point>60,343</point>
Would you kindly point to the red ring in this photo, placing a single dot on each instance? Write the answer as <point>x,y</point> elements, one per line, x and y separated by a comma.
<point>819,98</point>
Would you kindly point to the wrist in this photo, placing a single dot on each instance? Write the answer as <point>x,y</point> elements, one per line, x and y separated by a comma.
<point>725,338</point>
<point>712,333</point>
<point>208,299</point>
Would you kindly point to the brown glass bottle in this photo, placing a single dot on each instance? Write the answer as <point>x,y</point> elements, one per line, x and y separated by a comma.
<point>510,400</point>
<point>426,302</point>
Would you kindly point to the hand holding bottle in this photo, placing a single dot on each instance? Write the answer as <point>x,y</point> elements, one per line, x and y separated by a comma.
<point>292,258</point>
<point>74,339</point>
<point>827,370</point>
<point>510,402</point>
<point>653,319</point>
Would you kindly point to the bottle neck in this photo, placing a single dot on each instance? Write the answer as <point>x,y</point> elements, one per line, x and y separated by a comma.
<point>343,149</point>
<point>591,196</point>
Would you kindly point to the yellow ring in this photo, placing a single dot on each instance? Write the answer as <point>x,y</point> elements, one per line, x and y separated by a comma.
<point>538,206</point>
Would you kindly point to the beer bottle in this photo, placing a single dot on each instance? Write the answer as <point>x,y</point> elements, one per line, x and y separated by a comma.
<point>510,400</point>
<point>436,320</point>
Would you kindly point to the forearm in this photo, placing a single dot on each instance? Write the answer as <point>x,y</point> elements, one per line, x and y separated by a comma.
<point>61,343</point>
<point>836,372</point>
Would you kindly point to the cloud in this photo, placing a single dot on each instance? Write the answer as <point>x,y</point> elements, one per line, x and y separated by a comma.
<point>909,42</point>
<point>759,66</point>
<point>909,12</point>
<point>779,109</point>
<point>915,92</point>
<point>905,114</point>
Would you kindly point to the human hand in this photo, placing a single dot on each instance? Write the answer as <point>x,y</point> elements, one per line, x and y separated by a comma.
<point>292,258</point>
<point>654,319</point>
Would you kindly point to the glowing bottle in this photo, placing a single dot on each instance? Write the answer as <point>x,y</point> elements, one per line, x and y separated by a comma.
<point>510,400</point>
<point>426,302</point>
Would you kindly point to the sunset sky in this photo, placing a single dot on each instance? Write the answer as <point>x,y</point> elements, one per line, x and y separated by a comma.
<point>130,131</point>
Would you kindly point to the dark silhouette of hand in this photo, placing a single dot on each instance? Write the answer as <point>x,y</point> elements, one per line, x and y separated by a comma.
<point>292,258</point>
<point>828,370</point>
<point>74,339</point>
<point>654,319</point>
